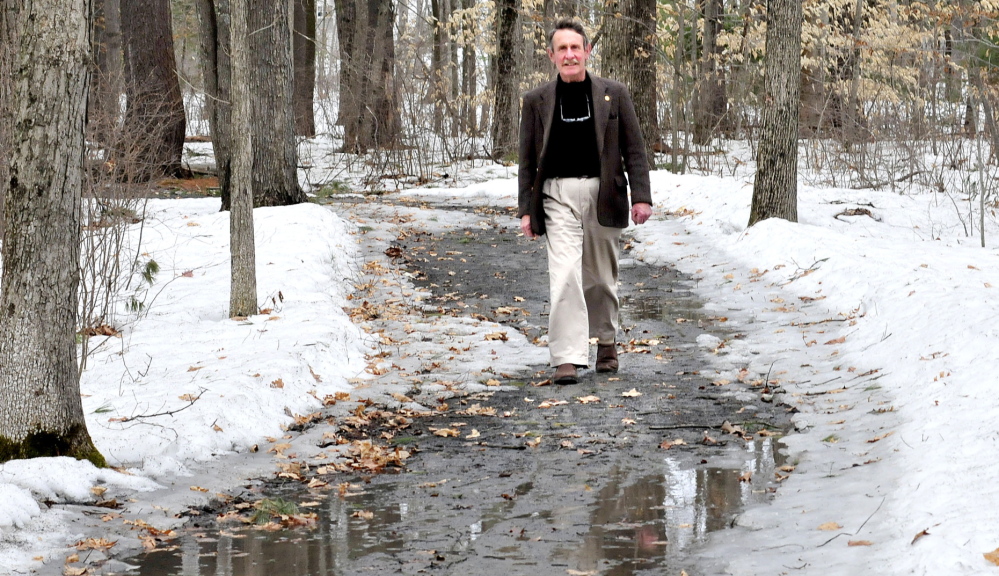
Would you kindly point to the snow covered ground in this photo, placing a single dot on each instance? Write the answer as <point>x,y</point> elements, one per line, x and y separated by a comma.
<point>880,327</point>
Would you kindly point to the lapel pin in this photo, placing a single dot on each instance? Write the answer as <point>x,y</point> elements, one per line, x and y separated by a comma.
<point>607,98</point>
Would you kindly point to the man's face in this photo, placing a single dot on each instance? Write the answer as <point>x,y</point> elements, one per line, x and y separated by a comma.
<point>569,53</point>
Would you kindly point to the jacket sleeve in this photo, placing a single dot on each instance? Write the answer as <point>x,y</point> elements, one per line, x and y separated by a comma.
<point>527,157</point>
<point>633,151</point>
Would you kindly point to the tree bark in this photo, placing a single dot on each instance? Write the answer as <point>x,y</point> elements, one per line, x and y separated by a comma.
<point>213,16</point>
<point>369,102</point>
<point>628,54</point>
<point>154,115</point>
<point>40,409</point>
<point>505,100</point>
<point>105,87</point>
<point>243,279</point>
<point>304,48</point>
<point>710,112</point>
<point>775,190</point>
<point>271,89</point>
<point>8,36</point>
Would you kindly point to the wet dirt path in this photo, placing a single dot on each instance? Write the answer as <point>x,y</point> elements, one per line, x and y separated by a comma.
<point>620,474</point>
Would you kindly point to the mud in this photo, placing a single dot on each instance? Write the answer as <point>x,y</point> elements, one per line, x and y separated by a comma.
<point>620,474</point>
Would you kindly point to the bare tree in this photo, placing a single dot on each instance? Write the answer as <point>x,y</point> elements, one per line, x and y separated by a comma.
<point>710,111</point>
<point>243,278</point>
<point>304,50</point>
<point>628,54</point>
<point>40,409</point>
<point>155,104</point>
<point>505,100</point>
<point>369,103</point>
<point>775,191</point>
<point>271,85</point>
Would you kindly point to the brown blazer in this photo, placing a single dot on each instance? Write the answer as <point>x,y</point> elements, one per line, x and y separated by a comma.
<point>619,145</point>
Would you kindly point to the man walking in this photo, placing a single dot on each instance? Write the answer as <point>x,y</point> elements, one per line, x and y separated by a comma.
<point>578,135</point>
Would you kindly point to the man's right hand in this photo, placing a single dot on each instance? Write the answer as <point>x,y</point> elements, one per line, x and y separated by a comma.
<point>525,226</point>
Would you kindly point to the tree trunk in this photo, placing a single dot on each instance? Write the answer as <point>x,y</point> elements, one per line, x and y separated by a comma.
<point>243,279</point>
<point>347,34</point>
<point>371,114</point>
<point>216,70</point>
<point>271,91</point>
<point>469,81</point>
<point>304,47</point>
<point>711,93</point>
<point>505,100</point>
<point>105,87</point>
<point>40,409</point>
<point>629,55</point>
<point>154,116</point>
<point>8,37</point>
<point>775,191</point>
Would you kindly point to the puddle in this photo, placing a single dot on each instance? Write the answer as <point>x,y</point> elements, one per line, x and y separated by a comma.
<point>638,518</point>
<point>654,305</point>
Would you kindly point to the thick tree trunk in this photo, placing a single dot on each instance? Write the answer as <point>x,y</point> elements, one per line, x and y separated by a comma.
<point>629,55</point>
<point>8,35</point>
<point>105,87</point>
<point>505,100</point>
<point>40,409</point>
<point>775,191</point>
<point>304,47</point>
<point>154,116</point>
<point>275,153</point>
<point>370,112</point>
<point>216,71</point>
<point>243,279</point>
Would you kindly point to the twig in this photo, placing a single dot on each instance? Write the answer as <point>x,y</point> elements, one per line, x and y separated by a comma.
<point>858,529</point>
<point>168,412</point>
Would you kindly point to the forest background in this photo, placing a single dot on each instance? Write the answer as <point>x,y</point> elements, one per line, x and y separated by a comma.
<point>892,95</point>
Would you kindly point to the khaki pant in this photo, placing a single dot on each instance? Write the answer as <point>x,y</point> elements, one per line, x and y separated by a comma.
<point>582,270</point>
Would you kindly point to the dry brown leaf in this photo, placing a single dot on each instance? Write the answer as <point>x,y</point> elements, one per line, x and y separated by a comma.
<point>363,514</point>
<point>992,556</point>
<point>552,403</point>
<point>860,543</point>
<point>627,421</point>
<point>747,477</point>
<point>279,383</point>
<point>836,341</point>
<point>920,535</point>
<point>199,489</point>
<point>633,393</point>
<point>497,336</point>
<point>534,442</point>
<point>95,544</point>
<point>98,490</point>
<point>587,399</point>
<point>71,571</point>
<point>830,526</point>
<point>445,432</point>
<point>473,434</point>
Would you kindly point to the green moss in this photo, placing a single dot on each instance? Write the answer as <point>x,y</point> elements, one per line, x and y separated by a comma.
<point>75,443</point>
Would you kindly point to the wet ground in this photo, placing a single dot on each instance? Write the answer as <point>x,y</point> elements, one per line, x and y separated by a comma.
<point>620,474</point>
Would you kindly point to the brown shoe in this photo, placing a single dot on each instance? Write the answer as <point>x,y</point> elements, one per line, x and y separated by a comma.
<point>606,357</point>
<point>565,374</point>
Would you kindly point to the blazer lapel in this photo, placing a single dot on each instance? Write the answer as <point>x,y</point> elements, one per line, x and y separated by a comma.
<point>601,111</point>
<point>547,112</point>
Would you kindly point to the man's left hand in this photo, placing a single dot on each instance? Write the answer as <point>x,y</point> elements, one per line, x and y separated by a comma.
<point>640,212</point>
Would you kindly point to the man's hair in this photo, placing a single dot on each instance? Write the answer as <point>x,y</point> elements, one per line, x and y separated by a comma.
<point>574,24</point>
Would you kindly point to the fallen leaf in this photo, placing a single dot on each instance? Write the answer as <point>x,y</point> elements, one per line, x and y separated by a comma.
<point>445,432</point>
<point>279,383</point>
<point>95,544</point>
<point>747,477</point>
<point>881,437</point>
<point>473,434</point>
<point>98,490</point>
<point>72,558</point>
<point>860,543</point>
<point>533,443</point>
<point>633,393</point>
<point>920,535</point>
<point>830,526</point>
<point>836,341</point>
<point>587,399</point>
<point>497,336</point>
<point>363,514</point>
<point>627,421</point>
<point>552,403</point>
<point>199,489</point>
<point>194,368</point>
<point>992,556</point>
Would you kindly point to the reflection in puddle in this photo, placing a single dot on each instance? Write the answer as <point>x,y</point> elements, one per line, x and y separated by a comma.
<point>636,520</point>
<point>657,306</point>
